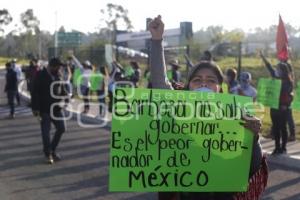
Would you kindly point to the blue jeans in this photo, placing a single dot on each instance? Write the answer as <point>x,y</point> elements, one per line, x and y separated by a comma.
<point>101,99</point>
<point>49,146</point>
<point>85,93</point>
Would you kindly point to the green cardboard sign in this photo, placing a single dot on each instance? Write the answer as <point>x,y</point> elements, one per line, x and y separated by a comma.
<point>170,75</point>
<point>165,140</point>
<point>268,92</point>
<point>296,101</point>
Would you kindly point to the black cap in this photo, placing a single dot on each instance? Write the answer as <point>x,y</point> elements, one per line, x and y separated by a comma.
<point>55,62</point>
<point>8,64</point>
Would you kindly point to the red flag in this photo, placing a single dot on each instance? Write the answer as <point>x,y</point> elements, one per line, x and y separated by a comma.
<point>282,42</point>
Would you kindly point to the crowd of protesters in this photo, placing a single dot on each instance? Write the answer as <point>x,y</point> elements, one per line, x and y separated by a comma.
<point>79,78</point>
<point>74,78</point>
<point>54,83</point>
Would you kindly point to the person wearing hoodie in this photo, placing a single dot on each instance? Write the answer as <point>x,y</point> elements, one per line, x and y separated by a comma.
<point>11,87</point>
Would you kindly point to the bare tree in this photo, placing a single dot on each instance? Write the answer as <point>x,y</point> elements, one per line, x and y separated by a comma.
<point>113,16</point>
<point>216,34</point>
<point>32,43</point>
<point>29,21</point>
<point>5,19</point>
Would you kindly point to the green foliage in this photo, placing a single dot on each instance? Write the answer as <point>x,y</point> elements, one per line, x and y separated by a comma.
<point>234,36</point>
<point>4,60</point>
<point>216,34</point>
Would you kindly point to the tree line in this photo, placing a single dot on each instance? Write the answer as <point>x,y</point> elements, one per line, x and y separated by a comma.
<point>27,39</point>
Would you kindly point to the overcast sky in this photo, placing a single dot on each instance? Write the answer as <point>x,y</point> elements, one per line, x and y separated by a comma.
<point>85,15</point>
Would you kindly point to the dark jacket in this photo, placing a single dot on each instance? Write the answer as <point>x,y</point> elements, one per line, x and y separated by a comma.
<point>286,92</point>
<point>41,97</point>
<point>30,74</point>
<point>11,81</point>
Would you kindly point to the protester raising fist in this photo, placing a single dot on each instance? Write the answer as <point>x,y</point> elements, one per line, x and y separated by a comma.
<point>156,27</point>
<point>206,77</point>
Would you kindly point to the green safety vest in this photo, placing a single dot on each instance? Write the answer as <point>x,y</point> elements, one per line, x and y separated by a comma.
<point>224,88</point>
<point>128,71</point>
<point>96,80</point>
<point>77,79</point>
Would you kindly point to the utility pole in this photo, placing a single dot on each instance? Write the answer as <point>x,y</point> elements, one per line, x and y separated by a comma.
<point>187,64</point>
<point>39,44</point>
<point>239,59</point>
<point>55,36</point>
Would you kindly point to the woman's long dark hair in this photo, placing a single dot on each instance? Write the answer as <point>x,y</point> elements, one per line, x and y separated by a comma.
<point>205,65</point>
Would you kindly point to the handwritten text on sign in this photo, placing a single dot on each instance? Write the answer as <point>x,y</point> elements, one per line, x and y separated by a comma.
<point>165,140</point>
<point>269,92</point>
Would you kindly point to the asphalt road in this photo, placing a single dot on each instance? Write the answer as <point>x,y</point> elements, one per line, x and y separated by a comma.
<point>82,174</point>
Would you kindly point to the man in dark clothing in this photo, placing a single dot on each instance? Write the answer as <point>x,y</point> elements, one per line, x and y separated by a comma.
<point>11,88</point>
<point>45,105</point>
<point>30,74</point>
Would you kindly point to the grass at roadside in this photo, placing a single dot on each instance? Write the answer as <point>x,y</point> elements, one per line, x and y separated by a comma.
<point>4,60</point>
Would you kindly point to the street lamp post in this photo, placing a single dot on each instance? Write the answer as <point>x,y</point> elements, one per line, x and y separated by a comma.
<point>55,36</point>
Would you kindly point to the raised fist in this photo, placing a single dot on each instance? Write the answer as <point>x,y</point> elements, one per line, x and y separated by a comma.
<point>156,27</point>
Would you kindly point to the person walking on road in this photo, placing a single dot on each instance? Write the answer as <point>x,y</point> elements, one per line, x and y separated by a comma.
<point>11,88</point>
<point>46,96</point>
<point>18,71</point>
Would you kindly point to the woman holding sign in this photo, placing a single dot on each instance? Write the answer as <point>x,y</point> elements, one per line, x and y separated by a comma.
<point>206,77</point>
<point>281,115</point>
